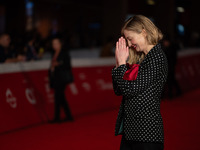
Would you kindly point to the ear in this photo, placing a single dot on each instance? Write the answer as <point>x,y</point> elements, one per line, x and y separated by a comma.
<point>144,33</point>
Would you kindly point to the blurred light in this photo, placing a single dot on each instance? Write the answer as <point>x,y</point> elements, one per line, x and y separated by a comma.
<point>29,5</point>
<point>181,29</point>
<point>150,2</point>
<point>29,13</point>
<point>29,8</point>
<point>180,9</point>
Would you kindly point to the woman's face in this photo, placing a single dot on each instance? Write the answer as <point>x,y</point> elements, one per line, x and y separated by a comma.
<point>56,44</point>
<point>136,40</point>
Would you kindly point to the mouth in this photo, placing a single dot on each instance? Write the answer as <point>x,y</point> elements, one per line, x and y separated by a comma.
<point>134,46</point>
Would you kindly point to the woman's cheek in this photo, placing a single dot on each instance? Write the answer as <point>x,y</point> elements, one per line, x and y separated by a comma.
<point>129,44</point>
<point>133,41</point>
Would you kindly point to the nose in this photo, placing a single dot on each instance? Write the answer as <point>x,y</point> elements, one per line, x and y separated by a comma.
<point>129,44</point>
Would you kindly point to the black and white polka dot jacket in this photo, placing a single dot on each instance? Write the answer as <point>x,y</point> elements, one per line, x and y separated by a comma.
<point>140,106</point>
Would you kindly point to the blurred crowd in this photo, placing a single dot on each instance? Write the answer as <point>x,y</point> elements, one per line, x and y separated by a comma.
<point>22,48</point>
<point>31,46</point>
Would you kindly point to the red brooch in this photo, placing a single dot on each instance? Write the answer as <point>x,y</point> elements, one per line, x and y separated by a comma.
<point>131,73</point>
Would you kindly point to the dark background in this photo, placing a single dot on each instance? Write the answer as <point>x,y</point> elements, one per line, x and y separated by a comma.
<point>89,23</point>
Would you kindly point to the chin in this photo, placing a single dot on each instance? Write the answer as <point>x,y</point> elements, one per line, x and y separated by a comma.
<point>138,50</point>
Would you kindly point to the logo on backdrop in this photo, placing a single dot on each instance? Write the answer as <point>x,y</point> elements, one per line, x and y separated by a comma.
<point>86,86</point>
<point>10,99</point>
<point>73,88</point>
<point>49,94</point>
<point>30,96</point>
<point>103,85</point>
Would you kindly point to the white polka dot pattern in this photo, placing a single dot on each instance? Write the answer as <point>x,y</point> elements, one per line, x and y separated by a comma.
<point>140,104</point>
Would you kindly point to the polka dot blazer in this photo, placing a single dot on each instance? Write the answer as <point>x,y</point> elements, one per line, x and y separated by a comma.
<point>140,106</point>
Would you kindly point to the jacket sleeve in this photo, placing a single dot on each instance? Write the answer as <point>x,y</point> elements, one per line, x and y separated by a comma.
<point>115,86</point>
<point>145,78</point>
<point>65,61</point>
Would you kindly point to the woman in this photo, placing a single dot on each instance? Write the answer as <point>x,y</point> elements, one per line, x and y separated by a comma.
<point>139,120</point>
<point>60,75</point>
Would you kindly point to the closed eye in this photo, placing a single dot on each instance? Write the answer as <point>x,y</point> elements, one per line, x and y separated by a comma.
<point>127,42</point>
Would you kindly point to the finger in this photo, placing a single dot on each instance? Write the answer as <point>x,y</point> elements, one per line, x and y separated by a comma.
<point>124,44</point>
<point>127,49</point>
<point>117,48</point>
<point>116,51</point>
<point>117,45</point>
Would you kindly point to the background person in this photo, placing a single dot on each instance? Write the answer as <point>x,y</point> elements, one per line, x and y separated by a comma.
<point>30,50</point>
<point>7,55</point>
<point>60,75</point>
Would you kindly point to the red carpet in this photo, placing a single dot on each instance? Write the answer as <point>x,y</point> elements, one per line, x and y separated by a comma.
<point>96,131</point>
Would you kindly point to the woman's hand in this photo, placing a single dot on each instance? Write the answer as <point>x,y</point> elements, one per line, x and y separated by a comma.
<point>54,63</point>
<point>121,52</point>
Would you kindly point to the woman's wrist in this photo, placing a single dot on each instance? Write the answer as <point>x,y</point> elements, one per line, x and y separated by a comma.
<point>116,66</point>
<point>121,63</point>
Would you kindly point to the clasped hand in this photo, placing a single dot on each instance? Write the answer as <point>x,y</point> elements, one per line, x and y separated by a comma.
<point>121,52</point>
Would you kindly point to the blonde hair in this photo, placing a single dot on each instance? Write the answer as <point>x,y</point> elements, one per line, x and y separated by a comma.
<point>138,23</point>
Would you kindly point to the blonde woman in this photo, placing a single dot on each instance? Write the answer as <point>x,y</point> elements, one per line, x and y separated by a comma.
<point>139,76</point>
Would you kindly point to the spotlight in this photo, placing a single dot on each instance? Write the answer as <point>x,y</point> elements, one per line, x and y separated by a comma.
<point>150,2</point>
<point>180,9</point>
